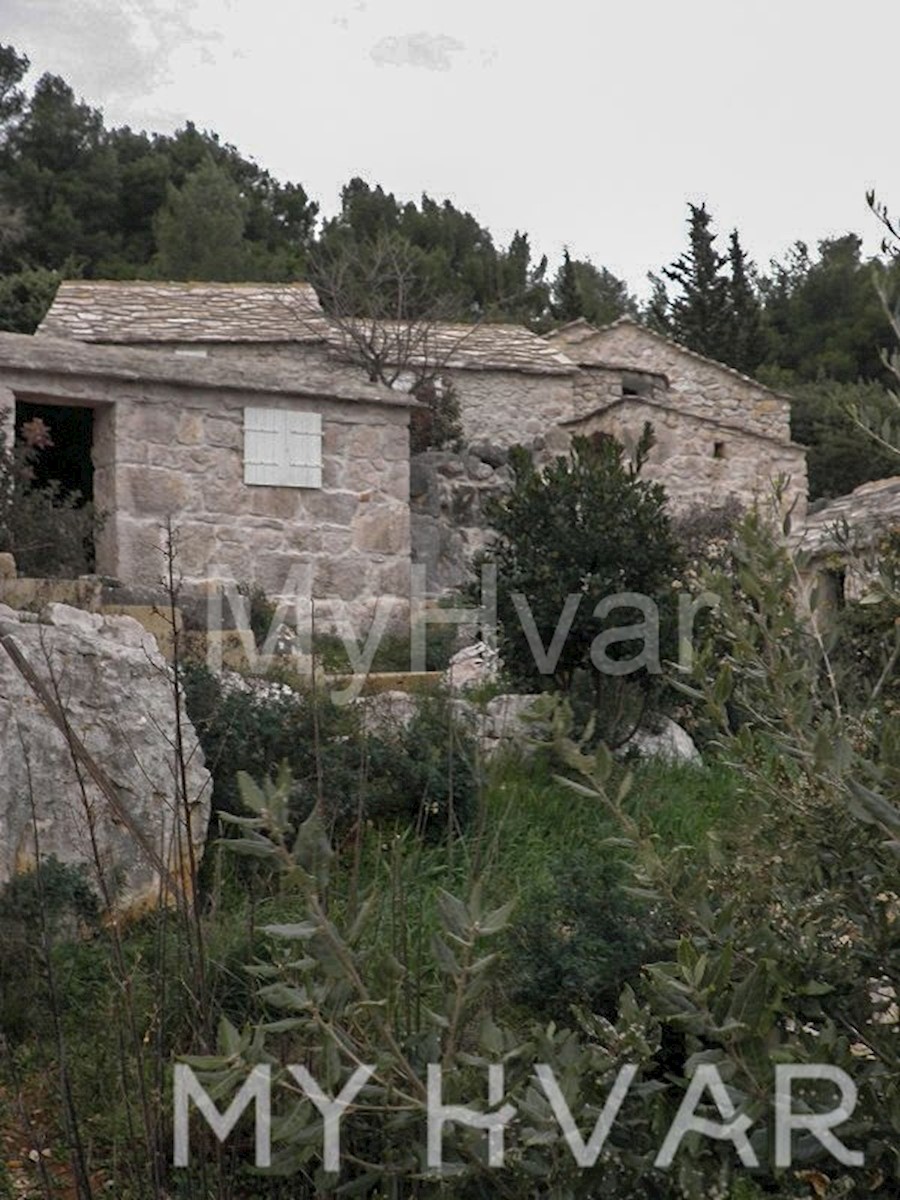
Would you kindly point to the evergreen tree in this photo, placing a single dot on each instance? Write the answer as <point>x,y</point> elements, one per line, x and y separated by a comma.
<point>25,296</point>
<point>746,348</point>
<point>655,311</point>
<point>200,230</point>
<point>602,297</point>
<point>566,295</point>
<point>62,172</point>
<point>698,315</point>
<point>823,317</point>
<point>13,67</point>
<point>523,293</point>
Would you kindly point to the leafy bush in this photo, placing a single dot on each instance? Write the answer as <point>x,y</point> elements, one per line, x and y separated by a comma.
<point>38,909</point>
<point>394,651</point>
<point>586,528</point>
<point>261,611</point>
<point>48,531</point>
<point>437,425</point>
<point>580,939</point>
<point>419,776</point>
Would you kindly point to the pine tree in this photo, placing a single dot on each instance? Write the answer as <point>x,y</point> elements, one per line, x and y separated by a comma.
<point>699,315</point>
<point>603,296</point>
<point>747,345</point>
<point>200,230</point>
<point>567,304</point>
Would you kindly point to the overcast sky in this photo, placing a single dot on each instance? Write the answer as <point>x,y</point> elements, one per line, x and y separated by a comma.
<point>579,121</point>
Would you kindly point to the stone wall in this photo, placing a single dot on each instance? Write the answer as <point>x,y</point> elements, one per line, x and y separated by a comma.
<point>700,462</point>
<point>504,407</point>
<point>448,495</point>
<point>696,384</point>
<point>181,454</point>
<point>510,407</point>
<point>164,450</point>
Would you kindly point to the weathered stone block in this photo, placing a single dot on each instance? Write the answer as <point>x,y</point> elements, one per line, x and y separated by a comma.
<point>191,429</point>
<point>384,530</point>
<point>154,491</point>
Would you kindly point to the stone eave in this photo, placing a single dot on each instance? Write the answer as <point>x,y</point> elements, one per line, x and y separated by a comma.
<point>726,426</point>
<point>173,337</point>
<point>70,359</point>
<point>621,369</point>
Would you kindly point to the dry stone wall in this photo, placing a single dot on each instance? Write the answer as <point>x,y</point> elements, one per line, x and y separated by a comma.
<point>448,497</point>
<point>699,462</point>
<point>507,408</point>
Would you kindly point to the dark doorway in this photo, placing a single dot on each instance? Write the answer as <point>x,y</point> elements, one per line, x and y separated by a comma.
<point>68,459</point>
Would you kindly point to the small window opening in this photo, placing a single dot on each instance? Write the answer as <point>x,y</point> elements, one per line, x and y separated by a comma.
<point>636,385</point>
<point>718,449</point>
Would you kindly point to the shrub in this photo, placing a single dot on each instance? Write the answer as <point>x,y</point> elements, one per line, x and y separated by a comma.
<point>49,532</point>
<point>587,528</point>
<point>38,909</point>
<point>437,425</point>
<point>418,776</point>
<point>580,939</point>
<point>394,651</point>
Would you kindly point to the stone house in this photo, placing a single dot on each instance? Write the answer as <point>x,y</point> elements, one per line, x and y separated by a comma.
<point>274,473</point>
<point>841,542</point>
<point>719,434</point>
<point>511,384</point>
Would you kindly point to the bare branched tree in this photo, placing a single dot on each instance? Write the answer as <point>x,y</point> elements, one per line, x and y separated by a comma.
<point>386,310</point>
<point>389,317</point>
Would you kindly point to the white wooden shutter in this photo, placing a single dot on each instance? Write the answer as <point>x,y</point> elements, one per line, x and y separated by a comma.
<point>282,448</point>
<point>304,449</point>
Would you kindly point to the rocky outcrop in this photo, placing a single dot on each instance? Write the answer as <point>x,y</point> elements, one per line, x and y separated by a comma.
<point>472,666</point>
<point>87,734</point>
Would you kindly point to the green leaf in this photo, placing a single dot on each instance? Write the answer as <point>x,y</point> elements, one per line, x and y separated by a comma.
<point>496,920</point>
<point>454,914</point>
<point>301,931</point>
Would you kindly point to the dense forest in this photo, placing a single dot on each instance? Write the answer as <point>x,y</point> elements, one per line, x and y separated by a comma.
<point>78,199</point>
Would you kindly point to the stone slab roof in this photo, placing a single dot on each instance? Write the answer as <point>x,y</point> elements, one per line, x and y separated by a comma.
<point>869,510</point>
<point>580,331</point>
<point>485,347</point>
<point>146,311</point>
<point>22,353</point>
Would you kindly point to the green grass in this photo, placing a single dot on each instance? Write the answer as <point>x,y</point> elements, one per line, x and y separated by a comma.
<point>535,819</point>
<point>683,803</point>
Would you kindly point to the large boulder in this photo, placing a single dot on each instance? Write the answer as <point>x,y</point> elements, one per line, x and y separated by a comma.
<point>668,742</point>
<point>87,737</point>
